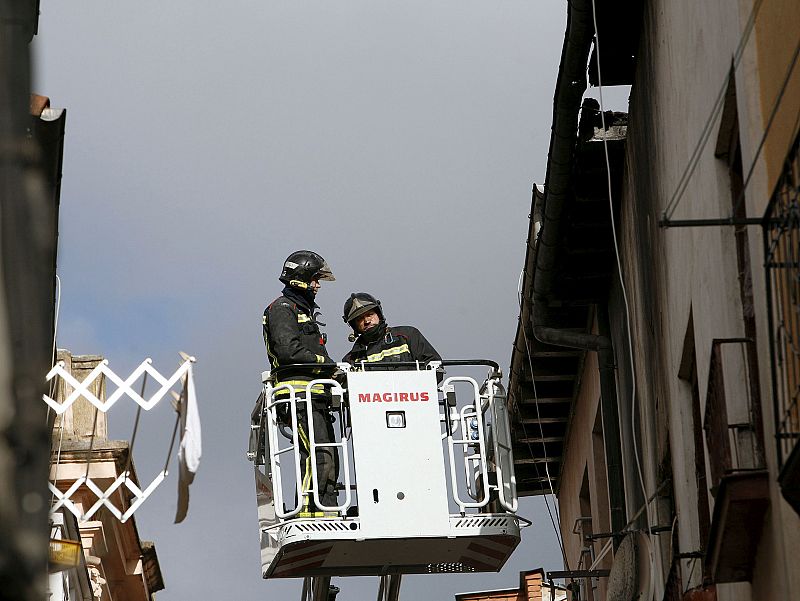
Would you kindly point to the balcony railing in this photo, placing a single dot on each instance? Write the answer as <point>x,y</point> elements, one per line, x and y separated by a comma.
<point>735,446</point>
<point>782,250</point>
<point>733,414</point>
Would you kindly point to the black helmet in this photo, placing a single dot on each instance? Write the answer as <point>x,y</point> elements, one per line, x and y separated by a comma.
<point>358,304</point>
<point>303,266</point>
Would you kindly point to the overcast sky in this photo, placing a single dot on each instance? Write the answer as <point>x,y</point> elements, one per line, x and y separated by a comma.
<point>208,140</point>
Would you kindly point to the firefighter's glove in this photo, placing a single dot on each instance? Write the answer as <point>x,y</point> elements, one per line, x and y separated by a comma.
<point>284,413</point>
<point>339,376</point>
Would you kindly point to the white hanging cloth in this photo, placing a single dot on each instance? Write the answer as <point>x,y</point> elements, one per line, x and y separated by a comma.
<point>191,448</point>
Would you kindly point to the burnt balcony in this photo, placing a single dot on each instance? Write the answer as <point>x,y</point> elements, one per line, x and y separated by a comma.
<point>739,479</point>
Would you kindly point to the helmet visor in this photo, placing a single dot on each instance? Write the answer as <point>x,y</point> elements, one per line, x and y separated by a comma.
<point>357,312</point>
<point>324,273</point>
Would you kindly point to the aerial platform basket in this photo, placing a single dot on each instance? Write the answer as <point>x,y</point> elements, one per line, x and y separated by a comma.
<point>426,473</point>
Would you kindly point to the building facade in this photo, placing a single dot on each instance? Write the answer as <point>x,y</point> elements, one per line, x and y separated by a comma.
<point>532,587</point>
<point>656,367</point>
<point>113,562</point>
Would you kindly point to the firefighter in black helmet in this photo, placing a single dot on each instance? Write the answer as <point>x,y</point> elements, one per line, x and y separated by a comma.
<point>293,336</point>
<point>375,341</point>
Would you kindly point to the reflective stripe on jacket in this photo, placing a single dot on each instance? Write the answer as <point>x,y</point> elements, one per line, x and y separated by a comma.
<point>398,344</point>
<point>292,335</point>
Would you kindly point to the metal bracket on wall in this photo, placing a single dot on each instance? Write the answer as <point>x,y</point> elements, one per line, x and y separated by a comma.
<point>667,223</point>
<point>572,574</point>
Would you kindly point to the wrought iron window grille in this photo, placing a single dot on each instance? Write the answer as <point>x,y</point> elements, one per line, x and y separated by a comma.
<point>782,263</point>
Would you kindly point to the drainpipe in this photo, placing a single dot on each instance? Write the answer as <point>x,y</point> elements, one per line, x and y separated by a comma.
<point>570,88</point>
<point>608,401</point>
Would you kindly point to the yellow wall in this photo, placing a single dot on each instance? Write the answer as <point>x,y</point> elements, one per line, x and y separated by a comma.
<point>777,32</point>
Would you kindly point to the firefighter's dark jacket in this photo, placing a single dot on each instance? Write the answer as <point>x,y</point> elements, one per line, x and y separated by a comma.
<point>392,344</point>
<point>292,335</point>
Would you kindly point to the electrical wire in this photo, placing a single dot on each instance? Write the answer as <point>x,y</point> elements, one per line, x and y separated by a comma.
<point>773,112</point>
<point>716,110</point>
<point>557,519</point>
<point>619,262</point>
<point>693,561</point>
<point>91,445</point>
<point>58,461</point>
<point>603,552</point>
<point>55,319</point>
<point>624,293</point>
<point>53,385</point>
<point>52,388</point>
<point>672,536</point>
<point>651,581</point>
<point>135,430</point>
<point>535,394</point>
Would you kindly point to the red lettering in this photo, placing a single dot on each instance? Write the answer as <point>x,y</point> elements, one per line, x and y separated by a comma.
<point>389,397</point>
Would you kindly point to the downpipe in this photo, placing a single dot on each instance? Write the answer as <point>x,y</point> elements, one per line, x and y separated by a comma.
<point>608,401</point>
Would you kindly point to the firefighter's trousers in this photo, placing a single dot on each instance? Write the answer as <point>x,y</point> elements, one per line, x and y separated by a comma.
<point>327,458</point>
